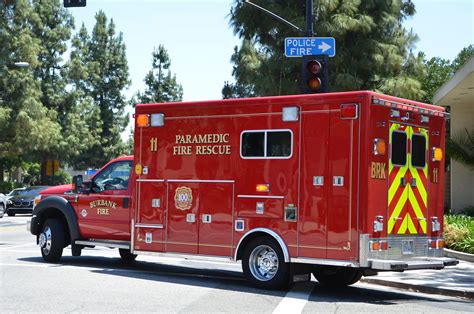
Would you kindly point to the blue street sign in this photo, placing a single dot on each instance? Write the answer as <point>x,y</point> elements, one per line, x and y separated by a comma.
<point>302,46</point>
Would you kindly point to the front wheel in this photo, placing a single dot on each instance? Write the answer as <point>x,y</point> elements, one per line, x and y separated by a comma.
<point>51,240</point>
<point>263,264</point>
<point>127,256</point>
<point>10,212</point>
<point>337,277</point>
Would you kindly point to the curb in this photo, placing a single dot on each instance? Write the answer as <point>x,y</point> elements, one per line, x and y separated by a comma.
<point>419,288</point>
<point>459,255</point>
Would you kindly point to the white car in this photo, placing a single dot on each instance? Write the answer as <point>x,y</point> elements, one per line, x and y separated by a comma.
<point>3,204</point>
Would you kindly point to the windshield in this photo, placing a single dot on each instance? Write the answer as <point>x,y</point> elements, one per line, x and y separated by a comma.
<point>15,192</point>
<point>34,190</point>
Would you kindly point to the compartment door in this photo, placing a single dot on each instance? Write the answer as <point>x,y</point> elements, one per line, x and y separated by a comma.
<point>215,218</point>
<point>343,187</point>
<point>150,215</point>
<point>183,215</point>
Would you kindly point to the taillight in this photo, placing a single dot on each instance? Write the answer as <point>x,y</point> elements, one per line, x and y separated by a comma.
<point>436,244</point>
<point>381,245</point>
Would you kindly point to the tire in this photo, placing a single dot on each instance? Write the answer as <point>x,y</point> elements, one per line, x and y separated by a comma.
<point>2,210</point>
<point>127,256</point>
<point>263,264</point>
<point>51,240</point>
<point>11,212</point>
<point>337,277</point>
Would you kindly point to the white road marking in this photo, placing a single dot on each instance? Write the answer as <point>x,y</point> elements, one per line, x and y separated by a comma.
<point>295,300</point>
<point>8,247</point>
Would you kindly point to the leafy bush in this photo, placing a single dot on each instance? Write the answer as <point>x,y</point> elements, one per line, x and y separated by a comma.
<point>459,233</point>
<point>6,187</point>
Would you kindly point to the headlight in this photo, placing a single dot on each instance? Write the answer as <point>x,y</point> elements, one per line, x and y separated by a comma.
<point>36,201</point>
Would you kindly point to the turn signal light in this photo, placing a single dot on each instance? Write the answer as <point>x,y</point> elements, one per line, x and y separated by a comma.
<point>263,187</point>
<point>378,245</point>
<point>440,244</point>
<point>436,244</point>
<point>143,120</point>
<point>437,154</point>
<point>380,148</point>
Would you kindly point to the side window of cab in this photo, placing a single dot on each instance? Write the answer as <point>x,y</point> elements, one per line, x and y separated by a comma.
<point>114,177</point>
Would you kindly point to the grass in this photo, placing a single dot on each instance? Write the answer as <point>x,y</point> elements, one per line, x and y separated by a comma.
<point>459,233</point>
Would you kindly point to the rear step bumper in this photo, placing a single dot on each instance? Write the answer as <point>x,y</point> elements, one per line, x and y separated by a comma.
<point>416,263</point>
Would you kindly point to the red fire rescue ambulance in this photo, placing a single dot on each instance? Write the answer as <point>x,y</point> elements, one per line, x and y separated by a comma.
<point>339,185</point>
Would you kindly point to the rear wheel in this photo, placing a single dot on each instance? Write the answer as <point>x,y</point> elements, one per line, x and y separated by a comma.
<point>51,240</point>
<point>337,277</point>
<point>127,256</point>
<point>264,265</point>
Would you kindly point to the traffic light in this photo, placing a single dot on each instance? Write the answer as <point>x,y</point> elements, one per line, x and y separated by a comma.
<point>315,74</point>
<point>74,3</point>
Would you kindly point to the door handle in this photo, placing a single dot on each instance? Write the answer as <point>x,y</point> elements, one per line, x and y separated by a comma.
<point>403,181</point>
<point>413,182</point>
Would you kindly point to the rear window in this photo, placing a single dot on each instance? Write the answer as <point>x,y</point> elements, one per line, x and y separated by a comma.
<point>418,151</point>
<point>399,148</point>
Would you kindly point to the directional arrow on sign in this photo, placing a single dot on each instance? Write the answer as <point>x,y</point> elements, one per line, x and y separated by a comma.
<point>324,47</point>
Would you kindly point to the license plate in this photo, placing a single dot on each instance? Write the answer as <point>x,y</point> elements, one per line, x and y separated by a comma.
<point>407,247</point>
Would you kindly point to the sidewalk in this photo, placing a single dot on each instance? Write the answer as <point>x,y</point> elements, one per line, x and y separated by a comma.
<point>455,281</point>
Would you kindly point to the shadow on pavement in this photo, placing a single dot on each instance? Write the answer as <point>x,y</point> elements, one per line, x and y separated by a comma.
<point>225,280</point>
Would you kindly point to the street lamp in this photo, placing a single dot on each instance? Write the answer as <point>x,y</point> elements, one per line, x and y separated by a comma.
<point>21,64</point>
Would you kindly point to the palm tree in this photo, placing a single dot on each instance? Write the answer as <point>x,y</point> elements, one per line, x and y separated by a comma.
<point>461,148</point>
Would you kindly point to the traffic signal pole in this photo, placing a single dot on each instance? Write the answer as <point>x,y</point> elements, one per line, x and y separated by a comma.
<point>309,18</point>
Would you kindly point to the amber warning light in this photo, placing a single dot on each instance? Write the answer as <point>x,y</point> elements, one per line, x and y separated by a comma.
<point>263,187</point>
<point>142,120</point>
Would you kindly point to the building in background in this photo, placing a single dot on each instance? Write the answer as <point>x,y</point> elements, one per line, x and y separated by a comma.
<point>458,94</point>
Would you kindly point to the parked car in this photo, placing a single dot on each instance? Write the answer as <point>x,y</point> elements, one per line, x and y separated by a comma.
<point>21,202</point>
<point>3,204</point>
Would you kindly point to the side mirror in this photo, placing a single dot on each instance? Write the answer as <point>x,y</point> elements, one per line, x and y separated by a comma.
<point>77,183</point>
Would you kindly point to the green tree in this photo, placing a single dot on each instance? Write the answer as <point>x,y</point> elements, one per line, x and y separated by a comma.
<point>161,85</point>
<point>99,71</point>
<point>27,128</point>
<point>373,48</point>
<point>53,29</point>
<point>439,71</point>
<point>463,56</point>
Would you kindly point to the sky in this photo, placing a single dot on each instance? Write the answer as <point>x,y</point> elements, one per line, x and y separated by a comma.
<point>200,42</point>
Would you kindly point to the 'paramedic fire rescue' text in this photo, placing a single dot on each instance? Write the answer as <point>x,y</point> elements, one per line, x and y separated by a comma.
<point>217,146</point>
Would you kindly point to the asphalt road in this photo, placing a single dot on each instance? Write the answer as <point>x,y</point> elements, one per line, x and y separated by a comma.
<point>98,281</point>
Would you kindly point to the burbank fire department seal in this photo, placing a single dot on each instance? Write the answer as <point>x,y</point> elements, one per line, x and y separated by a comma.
<point>183,198</point>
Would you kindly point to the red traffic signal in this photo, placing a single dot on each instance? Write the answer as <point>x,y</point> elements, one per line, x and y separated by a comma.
<point>315,74</point>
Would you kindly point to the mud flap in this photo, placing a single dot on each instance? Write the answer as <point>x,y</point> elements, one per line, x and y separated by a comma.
<point>300,272</point>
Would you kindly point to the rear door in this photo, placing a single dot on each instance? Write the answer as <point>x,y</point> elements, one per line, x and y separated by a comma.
<point>408,186</point>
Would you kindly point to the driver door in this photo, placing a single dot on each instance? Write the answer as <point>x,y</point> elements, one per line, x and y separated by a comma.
<point>103,210</point>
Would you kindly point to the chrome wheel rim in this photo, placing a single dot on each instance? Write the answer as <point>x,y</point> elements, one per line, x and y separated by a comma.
<point>44,240</point>
<point>263,263</point>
